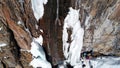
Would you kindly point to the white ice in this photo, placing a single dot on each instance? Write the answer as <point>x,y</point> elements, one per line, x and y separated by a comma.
<point>38,8</point>
<point>19,22</point>
<point>72,21</point>
<point>3,44</point>
<point>106,62</point>
<point>39,40</point>
<point>0,28</point>
<point>40,63</point>
<point>41,30</point>
<point>39,57</point>
<point>37,50</point>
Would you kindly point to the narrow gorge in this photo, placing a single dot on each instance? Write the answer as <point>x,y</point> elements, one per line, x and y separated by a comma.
<point>59,34</point>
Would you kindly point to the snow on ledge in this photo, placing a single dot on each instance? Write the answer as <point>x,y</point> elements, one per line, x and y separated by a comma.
<point>38,8</point>
<point>39,40</point>
<point>1,28</point>
<point>3,44</point>
<point>103,62</point>
<point>19,22</point>
<point>40,63</point>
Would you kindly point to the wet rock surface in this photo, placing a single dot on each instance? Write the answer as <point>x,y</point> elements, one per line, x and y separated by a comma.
<point>99,18</point>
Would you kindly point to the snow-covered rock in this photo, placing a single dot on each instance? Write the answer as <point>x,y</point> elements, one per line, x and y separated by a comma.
<point>106,62</point>
<point>40,63</point>
<point>38,8</point>
<point>39,57</point>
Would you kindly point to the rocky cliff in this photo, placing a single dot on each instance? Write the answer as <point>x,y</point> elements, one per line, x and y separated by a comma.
<point>99,18</point>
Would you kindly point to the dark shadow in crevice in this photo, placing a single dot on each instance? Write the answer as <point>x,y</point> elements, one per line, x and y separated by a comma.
<point>15,48</point>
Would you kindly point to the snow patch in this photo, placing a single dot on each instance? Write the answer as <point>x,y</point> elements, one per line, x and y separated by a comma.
<point>40,63</point>
<point>38,8</point>
<point>3,44</point>
<point>73,55</point>
<point>37,50</point>
<point>102,62</point>
<point>19,22</point>
<point>39,40</point>
<point>0,28</point>
<point>41,30</point>
<point>87,22</point>
<point>39,57</point>
<point>106,62</point>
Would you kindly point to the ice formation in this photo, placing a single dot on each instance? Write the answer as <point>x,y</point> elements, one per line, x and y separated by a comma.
<point>73,55</point>
<point>38,8</point>
<point>0,28</point>
<point>39,58</point>
<point>3,44</point>
<point>105,62</point>
<point>20,23</point>
<point>87,23</point>
<point>39,40</point>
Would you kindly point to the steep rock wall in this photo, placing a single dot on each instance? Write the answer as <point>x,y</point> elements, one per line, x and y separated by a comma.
<point>99,18</point>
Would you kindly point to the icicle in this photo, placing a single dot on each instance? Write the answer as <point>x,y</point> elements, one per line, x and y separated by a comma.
<point>73,55</point>
<point>57,21</point>
<point>21,4</point>
<point>76,4</point>
<point>38,8</point>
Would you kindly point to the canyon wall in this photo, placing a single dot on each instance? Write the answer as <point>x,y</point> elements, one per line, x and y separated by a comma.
<point>99,18</point>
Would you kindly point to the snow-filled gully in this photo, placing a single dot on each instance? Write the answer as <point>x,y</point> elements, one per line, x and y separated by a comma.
<point>39,57</point>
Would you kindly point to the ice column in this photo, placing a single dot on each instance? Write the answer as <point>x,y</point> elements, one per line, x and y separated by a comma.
<point>72,50</point>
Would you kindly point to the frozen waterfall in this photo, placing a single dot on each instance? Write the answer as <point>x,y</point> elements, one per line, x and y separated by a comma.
<point>72,50</point>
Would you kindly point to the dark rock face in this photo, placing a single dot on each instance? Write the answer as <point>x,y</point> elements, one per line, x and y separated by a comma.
<point>99,18</point>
